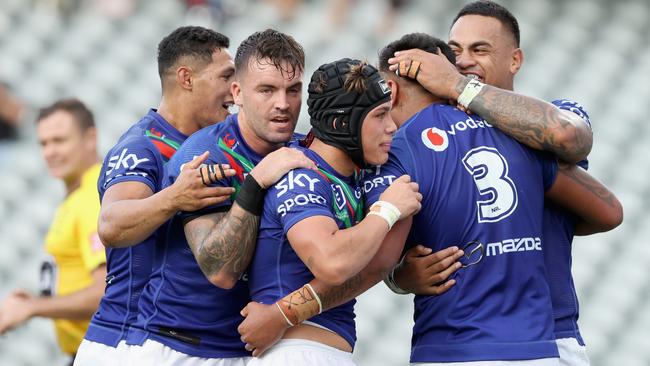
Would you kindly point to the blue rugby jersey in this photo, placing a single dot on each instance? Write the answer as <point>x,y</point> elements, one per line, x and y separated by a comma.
<point>179,307</point>
<point>559,228</point>
<point>139,156</point>
<point>478,185</point>
<point>276,270</point>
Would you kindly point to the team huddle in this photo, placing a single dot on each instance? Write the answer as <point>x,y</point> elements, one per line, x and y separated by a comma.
<point>233,240</point>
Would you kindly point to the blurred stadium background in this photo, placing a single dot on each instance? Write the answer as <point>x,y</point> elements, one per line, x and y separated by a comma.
<point>593,51</point>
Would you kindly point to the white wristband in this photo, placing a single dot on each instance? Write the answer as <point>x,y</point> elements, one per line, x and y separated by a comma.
<point>470,92</point>
<point>313,292</point>
<point>386,211</point>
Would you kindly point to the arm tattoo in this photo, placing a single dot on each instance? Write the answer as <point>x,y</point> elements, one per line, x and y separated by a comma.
<point>532,122</point>
<point>337,295</point>
<point>226,244</point>
<point>591,184</point>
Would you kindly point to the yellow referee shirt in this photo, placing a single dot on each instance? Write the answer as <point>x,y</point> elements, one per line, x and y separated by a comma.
<point>76,250</point>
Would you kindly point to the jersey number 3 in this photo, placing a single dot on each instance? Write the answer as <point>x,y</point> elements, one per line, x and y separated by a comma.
<point>490,172</point>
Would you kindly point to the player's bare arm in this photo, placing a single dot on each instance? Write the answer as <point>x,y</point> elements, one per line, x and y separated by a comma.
<point>533,122</point>
<point>223,243</point>
<point>130,211</point>
<point>265,325</point>
<point>348,251</point>
<point>597,207</point>
<point>21,306</point>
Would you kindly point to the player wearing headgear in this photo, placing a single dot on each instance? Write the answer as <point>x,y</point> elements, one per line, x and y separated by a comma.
<point>313,225</point>
<point>189,309</point>
<point>499,310</point>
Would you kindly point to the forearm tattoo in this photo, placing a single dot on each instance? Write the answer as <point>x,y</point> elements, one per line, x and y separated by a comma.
<point>225,245</point>
<point>333,296</point>
<point>530,121</point>
<point>591,184</point>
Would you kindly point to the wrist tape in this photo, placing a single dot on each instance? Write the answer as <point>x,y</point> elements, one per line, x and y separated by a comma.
<point>251,196</point>
<point>386,211</point>
<point>300,305</point>
<point>470,92</point>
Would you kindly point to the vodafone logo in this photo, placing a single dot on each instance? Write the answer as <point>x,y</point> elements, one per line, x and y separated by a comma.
<point>435,139</point>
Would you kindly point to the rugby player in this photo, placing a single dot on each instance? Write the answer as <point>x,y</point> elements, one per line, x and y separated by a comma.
<point>195,71</point>
<point>313,224</point>
<point>189,309</point>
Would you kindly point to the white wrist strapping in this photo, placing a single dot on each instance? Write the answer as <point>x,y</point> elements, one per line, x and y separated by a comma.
<point>470,92</point>
<point>386,211</point>
<point>284,315</point>
<point>313,292</point>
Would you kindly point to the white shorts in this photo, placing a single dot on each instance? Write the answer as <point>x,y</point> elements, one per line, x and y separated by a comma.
<point>98,354</point>
<point>538,362</point>
<point>572,353</point>
<point>301,352</point>
<point>153,353</point>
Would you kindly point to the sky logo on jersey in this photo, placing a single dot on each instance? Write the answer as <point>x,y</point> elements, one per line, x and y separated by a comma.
<point>514,245</point>
<point>435,139</point>
<point>300,200</point>
<point>125,161</point>
<point>384,180</point>
<point>293,180</point>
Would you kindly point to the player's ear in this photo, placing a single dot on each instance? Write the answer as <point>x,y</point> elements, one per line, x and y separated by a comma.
<point>235,90</point>
<point>184,77</point>
<point>517,60</point>
<point>394,92</point>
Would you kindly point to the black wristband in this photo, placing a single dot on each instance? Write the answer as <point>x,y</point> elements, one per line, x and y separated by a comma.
<point>251,196</point>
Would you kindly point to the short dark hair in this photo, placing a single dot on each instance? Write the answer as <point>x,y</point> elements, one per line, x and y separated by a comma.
<point>275,46</point>
<point>197,42</point>
<point>81,114</point>
<point>489,8</point>
<point>422,41</point>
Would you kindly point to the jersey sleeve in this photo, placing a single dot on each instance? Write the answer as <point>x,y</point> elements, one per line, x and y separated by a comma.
<point>87,211</point>
<point>194,146</point>
<point>574,107</point>
<point>298,195</point>
<point>376,180</point>
<point>549,167</point>
<point>134,159</point>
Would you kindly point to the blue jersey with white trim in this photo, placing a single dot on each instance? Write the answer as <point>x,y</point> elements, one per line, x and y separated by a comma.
<point>276,270</point>
<point>559,228</point>
<point>139,156</point>
<point>484,192</point>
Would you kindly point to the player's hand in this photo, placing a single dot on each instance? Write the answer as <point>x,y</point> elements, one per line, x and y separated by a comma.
<point>424,273</point>
<point>191,190</point>
<point>263,327</point>
<point>433,71</point>
<point>278,163</point>
<point>404,195</point>
<point>15,310</point>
